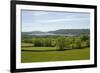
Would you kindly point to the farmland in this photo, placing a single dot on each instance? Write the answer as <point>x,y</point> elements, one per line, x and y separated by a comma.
<point>43,56</point>
<point>58,48</point>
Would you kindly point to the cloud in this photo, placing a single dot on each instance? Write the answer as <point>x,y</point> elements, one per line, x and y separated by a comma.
<point>62,20</point>
<point>38,13</point>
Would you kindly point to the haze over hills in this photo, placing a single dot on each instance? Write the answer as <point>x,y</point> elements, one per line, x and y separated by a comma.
<point>69,32</point>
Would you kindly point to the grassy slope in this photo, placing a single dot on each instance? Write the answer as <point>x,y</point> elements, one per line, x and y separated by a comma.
<point>74,54</point>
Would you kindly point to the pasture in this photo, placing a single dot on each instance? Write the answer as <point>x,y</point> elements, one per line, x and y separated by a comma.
<point>45,54</point>
<point>45,49</point>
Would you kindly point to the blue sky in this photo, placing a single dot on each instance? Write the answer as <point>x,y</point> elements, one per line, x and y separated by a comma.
<point>50,20</point>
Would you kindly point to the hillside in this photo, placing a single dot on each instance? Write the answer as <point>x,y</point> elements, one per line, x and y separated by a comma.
<point>74,32</point>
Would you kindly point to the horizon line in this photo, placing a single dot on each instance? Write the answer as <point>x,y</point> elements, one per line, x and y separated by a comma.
<point>55,30</point>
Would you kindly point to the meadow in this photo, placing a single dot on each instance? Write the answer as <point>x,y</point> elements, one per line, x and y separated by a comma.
<point>45,49</point>
<point>46,56</point>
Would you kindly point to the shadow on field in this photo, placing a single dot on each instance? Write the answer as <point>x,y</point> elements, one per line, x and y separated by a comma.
<point>51,50</point>
<point>26,46</point>
<point>44,50</point>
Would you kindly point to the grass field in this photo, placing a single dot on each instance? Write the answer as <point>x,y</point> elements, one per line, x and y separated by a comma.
<point>45,54</point>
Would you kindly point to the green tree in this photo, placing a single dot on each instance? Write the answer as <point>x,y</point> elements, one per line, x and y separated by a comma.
<point>61,43</point>
<point>88,43</point>
<point>78,43</point>
<point>84,38</point>
<point>37,42</point>
<point>27,41</point>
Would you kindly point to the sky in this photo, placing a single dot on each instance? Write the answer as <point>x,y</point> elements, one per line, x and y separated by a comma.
<point>51,20</point>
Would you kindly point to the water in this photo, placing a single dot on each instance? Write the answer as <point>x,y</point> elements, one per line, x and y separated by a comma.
<point>51,34</point>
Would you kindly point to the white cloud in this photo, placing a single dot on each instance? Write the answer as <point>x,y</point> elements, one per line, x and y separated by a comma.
<point>39,13</point>
<point>60,20</point>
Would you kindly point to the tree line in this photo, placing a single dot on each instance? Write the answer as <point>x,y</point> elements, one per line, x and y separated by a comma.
<point>61,42</point>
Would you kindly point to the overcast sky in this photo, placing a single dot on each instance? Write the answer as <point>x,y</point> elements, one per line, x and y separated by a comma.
<point>50,20</point>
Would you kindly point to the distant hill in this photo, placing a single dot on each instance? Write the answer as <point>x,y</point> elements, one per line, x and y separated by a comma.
<point>75,32</point>
<point>33,32</point>
<point>71,31</point>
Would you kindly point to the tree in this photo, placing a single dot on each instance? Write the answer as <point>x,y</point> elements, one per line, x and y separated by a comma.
<point>84,38</point>
<point>37,42</point>
<point>78,43</point>
<point>85,41</point>
<point>72,42</point>
<point>27,41</point>
<point>43,42</point>
<point>68,43</point>
<point>88,43</point>
<point>47,42</point>
<point>61,43</point>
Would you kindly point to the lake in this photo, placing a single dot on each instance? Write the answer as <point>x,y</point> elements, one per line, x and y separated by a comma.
<point>51,34</point>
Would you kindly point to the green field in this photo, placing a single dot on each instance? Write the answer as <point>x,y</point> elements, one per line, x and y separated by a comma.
<point>44,54</point>
<point>59,48</point>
